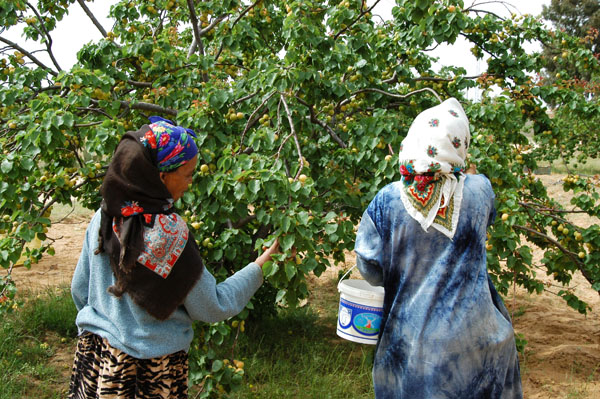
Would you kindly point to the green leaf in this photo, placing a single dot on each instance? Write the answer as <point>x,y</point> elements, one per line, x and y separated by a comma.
<point>280,295</point>
<point>68,119</point>
<point>6,166</point>
<point>254,186</point>
<point>331,228</point>
<point>270,268</point>
<point>217,365</point>
<point>290,270</point>
<point>286,224</point>
<point>239,191</point>
<point>303,217</point>
<point>287,242</point>
<point>218,98</point>
<point>330,215</point>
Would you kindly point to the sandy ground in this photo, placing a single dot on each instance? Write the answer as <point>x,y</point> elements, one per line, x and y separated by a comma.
<point>562,356</point>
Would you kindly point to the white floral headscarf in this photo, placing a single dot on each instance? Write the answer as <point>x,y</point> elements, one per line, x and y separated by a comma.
<point>432,163</point>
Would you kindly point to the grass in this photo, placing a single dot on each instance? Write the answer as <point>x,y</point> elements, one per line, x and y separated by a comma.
<point>29,339</point>
<point>590,167</point>
<point>298,355</point>
<point>63,211</point>
<point>293,355</point>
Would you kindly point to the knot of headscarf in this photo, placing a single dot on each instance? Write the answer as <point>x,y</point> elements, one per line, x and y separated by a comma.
<point>421,180</point>
<point>432,163</point>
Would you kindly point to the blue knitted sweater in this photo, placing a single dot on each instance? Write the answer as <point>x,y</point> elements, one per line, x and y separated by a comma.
<point>130,328</point>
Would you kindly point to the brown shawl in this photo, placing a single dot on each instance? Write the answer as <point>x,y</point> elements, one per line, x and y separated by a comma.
<point>134,198</point>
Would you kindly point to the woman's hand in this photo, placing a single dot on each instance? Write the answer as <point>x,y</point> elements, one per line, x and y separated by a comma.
<point>472,169</point>
<point>266,256</point>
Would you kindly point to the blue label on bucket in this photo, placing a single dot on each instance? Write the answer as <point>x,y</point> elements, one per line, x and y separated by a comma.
<point>365,319</point>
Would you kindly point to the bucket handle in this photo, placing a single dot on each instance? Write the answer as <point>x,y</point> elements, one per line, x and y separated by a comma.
<point>345,274</point>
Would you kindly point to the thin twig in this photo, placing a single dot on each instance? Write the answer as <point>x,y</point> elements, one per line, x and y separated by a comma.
<point>539,208</point>
<point>29,55</point>
<point>401,96</point>
<point>237,334</point>
<point>143,106</point>
<point>48,37</point>
<point>356,20</point>
<point>438,79</point>
<point>280,148</point>
<point>252,120</point>
<point>324,125</point>
<point>235,22</point>
<point>87,124</point>
<point>570,254</point>
<point>506,5</point>
<point>92,17</point>
<point>485,12</point>
<point>96,110</point>
<point>291,122</point>
<point>202,32</point>
<point>241,100</point>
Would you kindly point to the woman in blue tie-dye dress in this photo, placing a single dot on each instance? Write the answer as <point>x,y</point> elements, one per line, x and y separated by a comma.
<point>445,332</point>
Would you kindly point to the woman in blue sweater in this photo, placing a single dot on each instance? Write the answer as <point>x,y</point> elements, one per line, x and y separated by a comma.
<point>140,282</point>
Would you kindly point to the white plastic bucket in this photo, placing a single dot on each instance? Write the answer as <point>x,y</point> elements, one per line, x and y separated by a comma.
<point>360,311</point>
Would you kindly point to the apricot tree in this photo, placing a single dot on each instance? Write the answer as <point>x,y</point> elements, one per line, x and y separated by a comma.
<point>300,108</point>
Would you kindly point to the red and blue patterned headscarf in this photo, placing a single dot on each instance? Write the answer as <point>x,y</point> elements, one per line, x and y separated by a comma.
<point>174,144</point>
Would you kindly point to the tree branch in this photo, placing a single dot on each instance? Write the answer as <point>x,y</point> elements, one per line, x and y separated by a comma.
<point>564,250</point>
<point>92,17</point>
<point>485,12</point>
<point>243,221</point>
<point>148,107</point>
<point>293,133</point>
<point>202,32</point>
<point>140,84</point>
<point>241,100</point>
<point>401,96</point>
<point>314,119</point>
<point>196,30</point>
<point>544,209</point>
<point>506,5</point>
<point>48,37</point>
<point>87,124</point>
<point>252,119</point>
<point>97,110</point>
<point>29,55</point>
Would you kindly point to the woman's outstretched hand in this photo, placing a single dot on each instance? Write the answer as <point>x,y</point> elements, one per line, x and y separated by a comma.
<point>266,255</point>
<point>472,169</point>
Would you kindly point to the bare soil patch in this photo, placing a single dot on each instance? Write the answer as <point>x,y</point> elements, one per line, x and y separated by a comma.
<point>56,270</point>
<point>562,356</point>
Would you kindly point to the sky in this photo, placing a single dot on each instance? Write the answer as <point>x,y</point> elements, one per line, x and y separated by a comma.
<point>76,29</point>
<point>459,53</point>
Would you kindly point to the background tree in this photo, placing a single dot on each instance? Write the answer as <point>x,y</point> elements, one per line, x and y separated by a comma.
<point>300,107</point>
<point>581,21</point>
<point>578,18</point>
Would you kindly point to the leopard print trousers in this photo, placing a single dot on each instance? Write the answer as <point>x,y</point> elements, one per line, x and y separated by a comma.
<point>103,372</point>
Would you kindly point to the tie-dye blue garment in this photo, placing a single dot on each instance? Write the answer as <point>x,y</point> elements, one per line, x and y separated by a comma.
<point>445,332</point>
